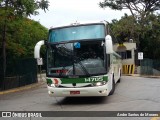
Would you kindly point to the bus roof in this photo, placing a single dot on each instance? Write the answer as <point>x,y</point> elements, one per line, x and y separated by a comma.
<point>80,23</point>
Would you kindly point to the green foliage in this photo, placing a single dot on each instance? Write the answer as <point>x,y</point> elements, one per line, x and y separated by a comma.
<point>148,35</point>
<point>143,26</point>
<point>22,35</point>
<point>150,41</point>
<point>24,7</point>
<point>125,29</point>
<point>18,33</point>
<point>138,8</point>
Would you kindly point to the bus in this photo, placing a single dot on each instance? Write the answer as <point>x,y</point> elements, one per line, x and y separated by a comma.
<point>80,60</point>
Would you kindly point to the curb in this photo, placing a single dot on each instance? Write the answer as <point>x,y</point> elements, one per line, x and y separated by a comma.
<point>138,75</point>
<point>34,85</point>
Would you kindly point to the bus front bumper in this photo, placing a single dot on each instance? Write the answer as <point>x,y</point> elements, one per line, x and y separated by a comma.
<point>83,91</point>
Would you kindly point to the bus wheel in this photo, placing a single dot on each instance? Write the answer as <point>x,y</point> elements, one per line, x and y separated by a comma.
<point>119,80</point>
<point>113,87</point>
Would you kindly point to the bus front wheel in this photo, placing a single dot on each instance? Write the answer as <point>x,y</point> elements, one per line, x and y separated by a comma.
<point>119,80</point>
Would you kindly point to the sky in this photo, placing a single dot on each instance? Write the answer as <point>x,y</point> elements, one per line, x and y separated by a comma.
<point>65,12</point>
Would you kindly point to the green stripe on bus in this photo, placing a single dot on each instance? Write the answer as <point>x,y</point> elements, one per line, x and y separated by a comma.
<point>49,81</point>
<point>84,80</point>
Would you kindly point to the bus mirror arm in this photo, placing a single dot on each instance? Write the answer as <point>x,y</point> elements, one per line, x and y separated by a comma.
<point>37,49</point>
<point>45,42</point>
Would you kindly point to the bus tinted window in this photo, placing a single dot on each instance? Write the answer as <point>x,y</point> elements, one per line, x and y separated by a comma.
<point>77,33</point>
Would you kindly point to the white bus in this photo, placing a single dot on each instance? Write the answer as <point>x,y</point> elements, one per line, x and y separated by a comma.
<point>80,60</point>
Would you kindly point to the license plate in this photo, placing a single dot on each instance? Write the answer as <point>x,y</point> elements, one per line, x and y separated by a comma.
<point>74,92</point>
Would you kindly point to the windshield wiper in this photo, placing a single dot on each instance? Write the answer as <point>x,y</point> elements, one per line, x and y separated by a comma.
<point>83,68</point>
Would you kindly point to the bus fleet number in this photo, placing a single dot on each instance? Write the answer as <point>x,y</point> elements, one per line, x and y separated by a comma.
<point>94,79</point>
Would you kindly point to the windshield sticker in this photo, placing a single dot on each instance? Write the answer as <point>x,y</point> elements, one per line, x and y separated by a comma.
<point>77,45</point>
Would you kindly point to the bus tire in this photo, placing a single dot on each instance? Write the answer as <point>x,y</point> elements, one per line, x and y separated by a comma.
<point>119,80</point>
<point>113,87</point>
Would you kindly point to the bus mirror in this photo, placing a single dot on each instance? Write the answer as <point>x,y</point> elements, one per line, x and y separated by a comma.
<point>37,49</point>
<point>109,44</point>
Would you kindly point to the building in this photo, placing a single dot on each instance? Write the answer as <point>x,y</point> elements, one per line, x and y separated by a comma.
<point>127,50</point>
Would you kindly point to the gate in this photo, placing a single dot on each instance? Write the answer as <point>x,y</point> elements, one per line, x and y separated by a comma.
<point>149,67</point>
<point>20,73</point>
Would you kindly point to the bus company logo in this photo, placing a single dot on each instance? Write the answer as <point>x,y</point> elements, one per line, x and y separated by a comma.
<point>6,114</point>
<point>21,114</point>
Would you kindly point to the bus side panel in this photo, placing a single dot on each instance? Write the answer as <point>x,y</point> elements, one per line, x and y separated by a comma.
<point>116,62</point>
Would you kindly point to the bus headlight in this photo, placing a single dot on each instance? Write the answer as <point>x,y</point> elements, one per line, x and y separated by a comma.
<point>99,83</point>
<point>53,85</point>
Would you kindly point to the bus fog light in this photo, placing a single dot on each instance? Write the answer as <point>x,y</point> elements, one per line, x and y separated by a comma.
<point>50,92</point>
<point>53,85</point>
<point>103,91</point>
<point>104,82</point>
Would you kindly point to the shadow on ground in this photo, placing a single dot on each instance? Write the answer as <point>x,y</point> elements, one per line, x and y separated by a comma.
<point>81,100</point>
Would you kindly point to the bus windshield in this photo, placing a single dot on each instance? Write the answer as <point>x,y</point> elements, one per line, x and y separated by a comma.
<point>81,58</point>
<point>95,31</point>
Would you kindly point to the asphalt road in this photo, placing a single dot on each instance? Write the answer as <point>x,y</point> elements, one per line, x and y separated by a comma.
<point>132,94</point>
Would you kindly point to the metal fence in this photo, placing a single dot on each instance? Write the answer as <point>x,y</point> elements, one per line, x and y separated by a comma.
<point>19,73</point>
<point>150,67</point>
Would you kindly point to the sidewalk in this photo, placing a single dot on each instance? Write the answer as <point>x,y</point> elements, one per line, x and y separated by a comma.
<point>41,81</point>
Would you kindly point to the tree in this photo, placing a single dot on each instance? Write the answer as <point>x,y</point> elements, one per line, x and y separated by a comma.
<point>138,8</point>
<point>23,7</point>
<point>141,10</point>
<point>18,8</point>
<point>125,29</point>
<point>22,36</point>
<point>150,41</point>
